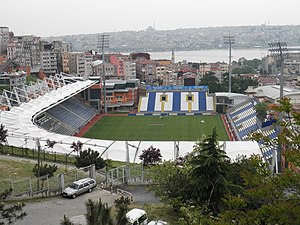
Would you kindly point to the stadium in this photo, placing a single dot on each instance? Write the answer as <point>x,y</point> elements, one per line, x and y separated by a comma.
<point>169,118</point>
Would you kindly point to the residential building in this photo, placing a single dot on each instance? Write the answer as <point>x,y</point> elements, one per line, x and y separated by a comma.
<point>146,70</point>
<point>49,62</point>
<point>65,62</point>
<point>130,69</point>
<point>118,61</point>
<point>4,37</point>
<point>204,68</point>
<point>98,69</point>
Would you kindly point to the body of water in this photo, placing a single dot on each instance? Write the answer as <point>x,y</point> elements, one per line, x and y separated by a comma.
<point>211,56</point>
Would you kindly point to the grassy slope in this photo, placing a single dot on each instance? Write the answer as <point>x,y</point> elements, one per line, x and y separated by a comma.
<point>154,128</point>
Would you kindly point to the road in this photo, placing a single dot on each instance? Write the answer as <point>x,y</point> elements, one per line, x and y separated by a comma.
<point>51,211</point>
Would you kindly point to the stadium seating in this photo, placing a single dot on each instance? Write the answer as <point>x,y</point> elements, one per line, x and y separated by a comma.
<point>244,120</point>
<point>66,118</point>
<point>176,102</point>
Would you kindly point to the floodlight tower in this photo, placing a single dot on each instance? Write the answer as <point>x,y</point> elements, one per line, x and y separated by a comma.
<point>103,43</point>
<point>279,51</point>
<point>229,40</point>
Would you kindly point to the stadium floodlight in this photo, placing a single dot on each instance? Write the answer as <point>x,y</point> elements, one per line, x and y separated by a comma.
<point>279,51</point>
<point>103,43</point>
<point>229,40</point>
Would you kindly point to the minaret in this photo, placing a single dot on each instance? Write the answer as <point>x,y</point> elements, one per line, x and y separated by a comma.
<point>173,56</point>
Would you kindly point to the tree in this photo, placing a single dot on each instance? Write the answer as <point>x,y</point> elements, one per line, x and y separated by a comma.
<point>43,171</point>
<point>150,156</point>
<point>3,134</point>
<point>89,157</point>
<point>98,213</point>
<point>261,110</point>
<point>122,208</point>
<point>66,221</point>
<point>77,147</point>
<point>213,83</point>
<point>170,182</point>
<point>10,213</point>
<point>209,165</point>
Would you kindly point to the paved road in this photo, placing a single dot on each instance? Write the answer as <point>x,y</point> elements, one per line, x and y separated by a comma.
<point>51,211</point>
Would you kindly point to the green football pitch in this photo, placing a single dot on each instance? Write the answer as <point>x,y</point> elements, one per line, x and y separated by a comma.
<point>156,128</point>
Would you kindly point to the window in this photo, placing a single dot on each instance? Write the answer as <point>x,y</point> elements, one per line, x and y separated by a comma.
<point>80,186</point>
<point>86,184</point>
<point>91,182</point>
<point>163,98</point>
<point>190,98</point>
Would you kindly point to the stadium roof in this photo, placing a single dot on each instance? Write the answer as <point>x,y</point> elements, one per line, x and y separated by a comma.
<point>22,132</point>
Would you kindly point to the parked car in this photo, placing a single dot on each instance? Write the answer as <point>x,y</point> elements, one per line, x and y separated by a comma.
<point>137,217</point>
<point>79,187</point>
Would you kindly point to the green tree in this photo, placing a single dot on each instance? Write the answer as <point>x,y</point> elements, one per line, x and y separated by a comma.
<point>66,221</point>
<point>44,170</point>
<point>10,213</point>
<point>209,165</point>
<point>89,157</point>
<point>170,182</point>
<point>261,111</point>
<point>243,70</point>
<point>122,207</point>
<point>3,134</point>
<point>98,213</point>
<point>213,83</point>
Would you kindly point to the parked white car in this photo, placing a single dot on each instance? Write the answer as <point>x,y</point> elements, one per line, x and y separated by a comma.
<point>79,187</point>
<point>137,217</point>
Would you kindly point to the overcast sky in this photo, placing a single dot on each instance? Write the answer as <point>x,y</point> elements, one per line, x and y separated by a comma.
<point>63,17</point>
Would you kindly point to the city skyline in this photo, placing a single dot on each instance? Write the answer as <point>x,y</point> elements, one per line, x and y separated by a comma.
<point>57,18</point>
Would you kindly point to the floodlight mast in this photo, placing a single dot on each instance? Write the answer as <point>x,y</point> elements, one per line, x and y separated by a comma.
<point>103,43</point>
<point>229,40</point>
<point>279,51</point>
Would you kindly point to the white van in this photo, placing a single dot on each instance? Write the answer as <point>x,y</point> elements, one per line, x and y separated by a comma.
<point>137,217</point>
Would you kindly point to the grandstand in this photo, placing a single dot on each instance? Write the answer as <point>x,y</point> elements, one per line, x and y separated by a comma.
<point>243,122</point>
<point>66,118</point>
<point>176,100</point>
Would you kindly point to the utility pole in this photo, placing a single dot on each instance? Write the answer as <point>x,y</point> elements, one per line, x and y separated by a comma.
<point>103,43</point>
<point>229,40</point>
<point>279,50</point>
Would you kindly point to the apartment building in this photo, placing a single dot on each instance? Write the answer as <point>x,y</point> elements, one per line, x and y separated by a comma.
<point>65,62</point>
<point>98,69</point>
<point>118,61</point>
<point>130,69</point>
<point>49,62</point>
<point>26,50</point>
<point>80,64</point>
<point>146,70</point>
<point>204,68</point>
<point>161,71</point>
<point>4,37</point>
